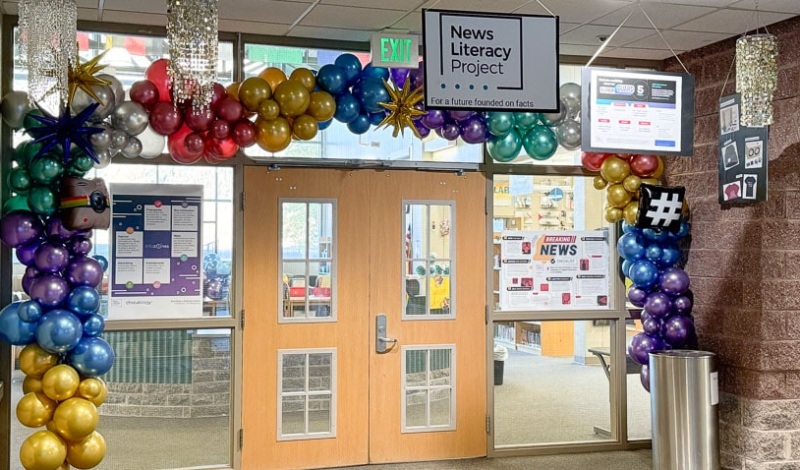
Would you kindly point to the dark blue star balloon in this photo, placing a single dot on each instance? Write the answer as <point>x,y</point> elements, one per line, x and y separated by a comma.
<point>64,130</point>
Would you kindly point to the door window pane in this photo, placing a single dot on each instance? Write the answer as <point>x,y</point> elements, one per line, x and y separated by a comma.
<point>307,398</point>
<point>429,390</point>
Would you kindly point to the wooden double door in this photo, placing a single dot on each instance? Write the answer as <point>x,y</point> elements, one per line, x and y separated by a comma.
<point>365,337</point>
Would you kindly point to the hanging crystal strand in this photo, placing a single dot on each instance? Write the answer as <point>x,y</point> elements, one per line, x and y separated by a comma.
<point>756,77</point>
<point>192,31</point>
<point>48,34</point>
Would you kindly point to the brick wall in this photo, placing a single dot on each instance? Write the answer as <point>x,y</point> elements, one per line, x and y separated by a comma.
<point>744,263</point>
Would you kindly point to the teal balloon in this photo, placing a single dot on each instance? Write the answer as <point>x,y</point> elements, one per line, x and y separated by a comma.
<point>500,124</point>
<point>81,164</point>
<point>526,120</point>
<point>42,200</point>
<point>29,122</point>
<point>46,170</point>
<point>25,152</point>
<point>19,180</point>
<point>540,143</point>
<point>505,149</point>
<point>16,203</point>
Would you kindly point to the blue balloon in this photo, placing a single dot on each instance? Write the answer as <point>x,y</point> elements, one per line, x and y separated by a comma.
<point>347,108</point>
<point>12,329</point>
<point>359,125</point>
<point>628,228</point>
<point>59,331</point>
<point>103,261</point>
<point>631,246</point>
<point>653,252</point>
<point>324,124</point>
<point>211,258</point>
<point>83,300</point>
<point>91,357</point>
<point>684,229</point>
<point>670,255</point>
<point>643,273</point>
<point>224,268</point>
<point>30,311</point>
<point>376,118</point>
<point>332,79</point>
<point>370,92</point>
<point>351,66</point>
<point>626,267</point>
<point>93,325</point>
<point>656,235</point>
<point>370,71</point>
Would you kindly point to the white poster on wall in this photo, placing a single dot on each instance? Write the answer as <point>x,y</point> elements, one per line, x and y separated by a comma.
<point>554,270</point>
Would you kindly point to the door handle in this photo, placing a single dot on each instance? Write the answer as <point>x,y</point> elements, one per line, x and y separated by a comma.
<point>382,342</point>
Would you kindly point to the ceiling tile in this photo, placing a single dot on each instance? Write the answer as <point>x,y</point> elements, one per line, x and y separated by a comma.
<point>732,21</point>
<point>678,40</point>
<point>577,49</point>
<point>403,5</point>
<point>252,27</point>
<point>663,15</point>
<point>266,11</point>
<point>634,53</point>
<point>588,35</point>
<point>574,11</point>
<point>140,6</point>
<point>149,19</point>
<point>494,6</point>
<point>330,33</point>
<point>412,23</point>
<point>780,6</point>
<point>357,19</point>
<point>704,3</point>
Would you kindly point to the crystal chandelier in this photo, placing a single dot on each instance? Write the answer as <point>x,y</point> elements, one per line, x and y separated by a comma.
<point>756,77</point>
<point>48,43</point>
<point>192,34</point>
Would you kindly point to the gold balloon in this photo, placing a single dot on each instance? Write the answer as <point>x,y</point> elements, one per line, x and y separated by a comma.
<point>35,361</point>
<point>304,76</point>
<point>31,384</point>
<point>232,90</point>
<point>599,182</point>
<point>60,382</point>
<point>401,110</point>
<point>685,210</point>
<point>253,91</point>
<point>42,450</point>
<point>659,170</point>
<point>87,452</point>
<point>651,181</point>
<point>305,127</point>
<point>631,212</point>
<point>35,409</point>
<point>75,418</point>
<point>94,390</point>
<point>613,214</point>
<point>273,76</point>
<point>632,183</point>
<point>618,196</point>
<point>64,466</point>
<point>292,97</point>
<point>275,135</point>
<point>322,106</point>
<point>269,110</point>
<point>615,170</point>
<point>625,156</point>
<point>51,426</point>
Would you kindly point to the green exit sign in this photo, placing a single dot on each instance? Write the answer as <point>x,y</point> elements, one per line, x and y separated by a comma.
<point>395,50</point>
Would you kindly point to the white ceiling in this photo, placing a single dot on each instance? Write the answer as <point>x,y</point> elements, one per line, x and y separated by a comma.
<point>686,24</point>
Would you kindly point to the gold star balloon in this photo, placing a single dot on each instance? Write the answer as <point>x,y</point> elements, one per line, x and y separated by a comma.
<point>401,109</point>
<point>82,75</point>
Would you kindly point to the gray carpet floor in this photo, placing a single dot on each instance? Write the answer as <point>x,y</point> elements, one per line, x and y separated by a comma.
<point>631,460</point>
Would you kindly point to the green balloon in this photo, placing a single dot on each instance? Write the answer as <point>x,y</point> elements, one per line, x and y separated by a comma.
<point>29,122</point>
<point>504,149</point>
<point>19,180</point>
<point>526,120</point>
<point>16,203</point>
<point>500,124</point>
<point>42,200</point>
<point>46,170</point>
<point>540,143</point>
<point>25,152</point>
<point>81,163</point>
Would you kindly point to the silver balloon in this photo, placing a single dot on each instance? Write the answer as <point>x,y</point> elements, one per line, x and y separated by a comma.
<point>569,134</point>
<point>82,100</point>
<point>554,119</point>
<point>116,87</point>
<point>14,107</point>
<point>152,143</point>
<point>118,139</point>
<point>104,158</point>
<point>132,148</point>
<point>571,93</point>
<point>101,141</point>
<point>130,117</point>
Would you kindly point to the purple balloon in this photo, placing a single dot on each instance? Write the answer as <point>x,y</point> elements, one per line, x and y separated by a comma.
<point>399,76</point>
<point>215,290</point>
<point>84,271</point>
<point>419,107</point>
<point>434,119</point>
<point>80,246</point>
<point>682,305</point>
<point>460,115</point>
<point>474,130</point>
<point>644,377</point>
<point>51,257</point>
<point>423,131</point>
<point>417,76</point>
<point>449,131</point>
<point>55,229</point>
<point>658,304</point>
<point>18,228</point>
<point>25,253</point>
<point>50,290</point>
<point>652,325</point>
<point>642,344</point>
<point>637,296</point>
<point>677,330</point>
<point>674,281</point>
<point>31,275</point>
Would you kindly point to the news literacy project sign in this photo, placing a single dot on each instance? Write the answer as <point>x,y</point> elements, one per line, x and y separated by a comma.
<point>486,61</point>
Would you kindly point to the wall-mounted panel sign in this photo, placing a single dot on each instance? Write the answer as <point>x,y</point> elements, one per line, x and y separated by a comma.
<point>742,156</point>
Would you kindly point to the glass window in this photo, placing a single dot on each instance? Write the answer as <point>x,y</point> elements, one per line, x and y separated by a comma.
<point>307,247</point>
<point>307,394</point>
<point>429,388</point>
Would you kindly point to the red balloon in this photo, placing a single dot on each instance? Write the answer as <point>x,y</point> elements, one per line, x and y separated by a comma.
<point>157,73</point>
<point>228,109</point>
<point>195,142</point>
<point>177,147</point>
<point>644,165</point>
<point>244,133</point>
<point>145,93</point>
<point>220,149</point>
<point>165,119</point>
<point>592,161</point>
<point>220,129</point>
<point>198,121</point>
<point>219,93</point>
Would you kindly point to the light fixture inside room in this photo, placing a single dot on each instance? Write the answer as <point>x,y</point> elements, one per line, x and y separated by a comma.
<point>192,32</point>
<point>756,77</point>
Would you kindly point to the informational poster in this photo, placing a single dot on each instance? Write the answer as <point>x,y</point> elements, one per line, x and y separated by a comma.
<point>156,252</point>
<point>485,61</point>
<point>637,112</point>
<point>554,270</point>
<point>742,156</point>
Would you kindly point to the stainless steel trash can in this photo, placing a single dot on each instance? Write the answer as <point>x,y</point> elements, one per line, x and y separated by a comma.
<point>684,395</point>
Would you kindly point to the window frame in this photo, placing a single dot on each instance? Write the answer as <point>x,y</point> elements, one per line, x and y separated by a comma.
<point>332,434</point>
<point>404,388</point>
